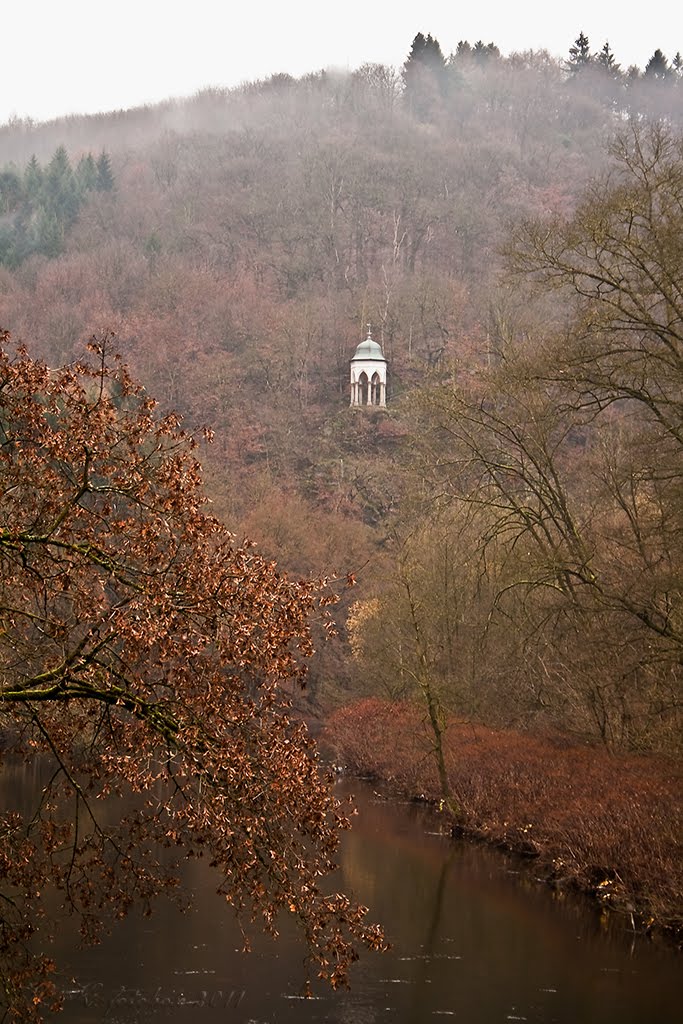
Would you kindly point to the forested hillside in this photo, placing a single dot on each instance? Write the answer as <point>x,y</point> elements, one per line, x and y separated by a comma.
<point>511,229</point>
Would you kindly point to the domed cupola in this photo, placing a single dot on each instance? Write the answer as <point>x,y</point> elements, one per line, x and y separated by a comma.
<point>369,374</point>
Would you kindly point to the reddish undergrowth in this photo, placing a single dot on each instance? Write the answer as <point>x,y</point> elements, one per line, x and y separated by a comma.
<point>607,824</point>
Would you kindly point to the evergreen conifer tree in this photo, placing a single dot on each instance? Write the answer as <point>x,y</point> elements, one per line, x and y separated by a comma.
<point>60,193</point>
<point>105,177</point>
<point>59,169</point>
<point>424,75</point>
<point>86,173</point>
<point>416,52</point>
<point>33,179</point>
<point>40,204</point>
<point>433,57</point>
<point>49,233</point>
<point>658,66</point>
<point>11,190</point>
<point>484,52</point>
<point>606,62</point>
<point>579,54</point>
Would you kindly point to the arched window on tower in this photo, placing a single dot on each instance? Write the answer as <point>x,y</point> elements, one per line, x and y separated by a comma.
<point>375,389</point>
<point>363,387</point>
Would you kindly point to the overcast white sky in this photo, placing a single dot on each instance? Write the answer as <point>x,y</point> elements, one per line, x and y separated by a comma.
<point>80,56</point>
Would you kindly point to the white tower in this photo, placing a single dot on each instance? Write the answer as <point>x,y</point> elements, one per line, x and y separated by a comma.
<point>369,374</point>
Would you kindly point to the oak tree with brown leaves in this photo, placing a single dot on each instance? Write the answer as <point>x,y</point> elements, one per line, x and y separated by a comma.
<point>142,651</point>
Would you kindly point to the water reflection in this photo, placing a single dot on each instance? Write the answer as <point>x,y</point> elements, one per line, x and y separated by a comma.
<point>474,939</point>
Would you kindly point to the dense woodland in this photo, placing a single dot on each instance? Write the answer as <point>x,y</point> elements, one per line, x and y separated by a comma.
<point>511,227</point>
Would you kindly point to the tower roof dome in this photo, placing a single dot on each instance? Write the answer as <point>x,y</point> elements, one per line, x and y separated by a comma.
<point>369,349</point>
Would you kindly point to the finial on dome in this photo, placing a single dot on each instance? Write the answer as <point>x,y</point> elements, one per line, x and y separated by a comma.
<point>369,327</point>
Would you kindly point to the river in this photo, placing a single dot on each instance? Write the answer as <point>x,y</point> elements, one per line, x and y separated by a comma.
<point>475,938</point>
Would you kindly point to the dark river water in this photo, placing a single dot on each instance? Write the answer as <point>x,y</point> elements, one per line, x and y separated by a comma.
<point>474,939</point>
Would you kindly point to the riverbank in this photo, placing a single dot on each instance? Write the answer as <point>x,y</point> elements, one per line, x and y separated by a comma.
<point>607,825</point>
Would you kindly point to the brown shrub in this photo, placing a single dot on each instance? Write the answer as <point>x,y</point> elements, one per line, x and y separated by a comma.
<point>609,824</point>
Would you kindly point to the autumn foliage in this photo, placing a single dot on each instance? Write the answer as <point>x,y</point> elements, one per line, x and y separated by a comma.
<point>142,651</point>
<point>513,517</point>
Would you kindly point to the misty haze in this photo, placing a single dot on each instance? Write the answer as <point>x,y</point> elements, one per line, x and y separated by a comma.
<point>346,406</point>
